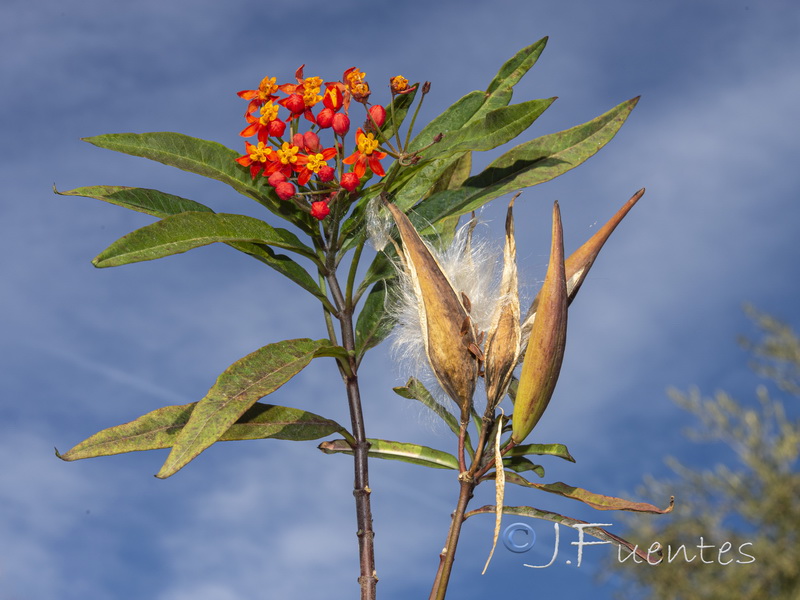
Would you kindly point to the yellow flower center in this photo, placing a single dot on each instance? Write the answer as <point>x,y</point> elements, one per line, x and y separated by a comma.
<point>355,77</point>
<point>260,153</point>
<point>355,81</point>
<point>399,83</point>
<point>311,98</point>
<point>288,153</point>
<point>360,89</point>
<point>267,87</point>
<point>314,83</point>
<point>269,112</point>
<point>367,144</point>
<point>315,162</point>
<point>311,88</point>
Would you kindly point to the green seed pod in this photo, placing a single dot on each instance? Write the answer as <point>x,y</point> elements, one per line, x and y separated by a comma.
<point>545,351</point>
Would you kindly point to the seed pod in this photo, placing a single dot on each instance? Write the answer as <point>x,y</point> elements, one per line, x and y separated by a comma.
<point>447,330</point>
<point>542,363</point>
<point>578,264</point>
<point>503,338</point>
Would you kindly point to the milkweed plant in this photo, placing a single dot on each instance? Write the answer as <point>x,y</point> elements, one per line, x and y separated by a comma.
<point>340,190</point>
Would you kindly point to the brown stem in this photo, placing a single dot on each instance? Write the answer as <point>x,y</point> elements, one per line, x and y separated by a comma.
<point>448,555</point>
<point>481,472</point>
<point>366,550</point>
<point>468,480</point>
<point>462,434</point>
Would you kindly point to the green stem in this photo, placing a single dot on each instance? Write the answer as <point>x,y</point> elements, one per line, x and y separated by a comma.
<point>351,276</point>
<point>414,117</point>
<point>327,314</point>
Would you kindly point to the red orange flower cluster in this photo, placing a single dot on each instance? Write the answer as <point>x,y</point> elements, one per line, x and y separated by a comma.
<point>297,166</point>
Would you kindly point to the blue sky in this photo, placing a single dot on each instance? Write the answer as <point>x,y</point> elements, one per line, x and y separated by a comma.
<point>714,141</point>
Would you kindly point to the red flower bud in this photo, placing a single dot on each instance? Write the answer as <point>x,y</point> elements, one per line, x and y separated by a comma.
<point>326,174</point>
<point>294,104</point>
<point>333,98</point>
<point>350,181</point>
<point>325,118</point>
<point>297,140</point>
<point>276,178</point>
<point>276,128</point>
<point>311,142</point>
<point>285,190</point>
<point>320,210</point>
<point>341,124</point>
<point>377,114</point>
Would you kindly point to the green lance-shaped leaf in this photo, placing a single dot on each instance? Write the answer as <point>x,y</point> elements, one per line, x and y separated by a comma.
<point>527,164</point>
<point>402,451</point>
<point>414,390</point>
<point>185,231</point>
<point>535,513</point>
<point>423,180</point>
<point>195,155</point>
<point>520,464</point>
<point>545,352</point>
<point>374,322</point>
<point>285,266</point>
<point>448,334</point>
<point>452,119</point>
<point>497,127</point>
<point>417,182</point>
<point>235,391</point>
<point>151,202</point>
<point>491,130</point>
<point>578,264</point>
<point>445,229</point>
<point>464,124</point>
<point>160,204</point>
<point>515,67</point>
<point>559,450</point>
<point>410,185</point>
<point>476,104</point>
<point>596,501</point>
<point>160,429</point>
<point>380,269</point>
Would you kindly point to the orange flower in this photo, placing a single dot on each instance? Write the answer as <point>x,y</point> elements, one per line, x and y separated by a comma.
<point>366,153</point>
<point>286,160</point>
<point>358,88</point>
<point>265,92</point>
<point>398,83</point>
<point>303,95</point>
<point>313,164</point>
<point>265,126</point>
<point>256,158</point>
